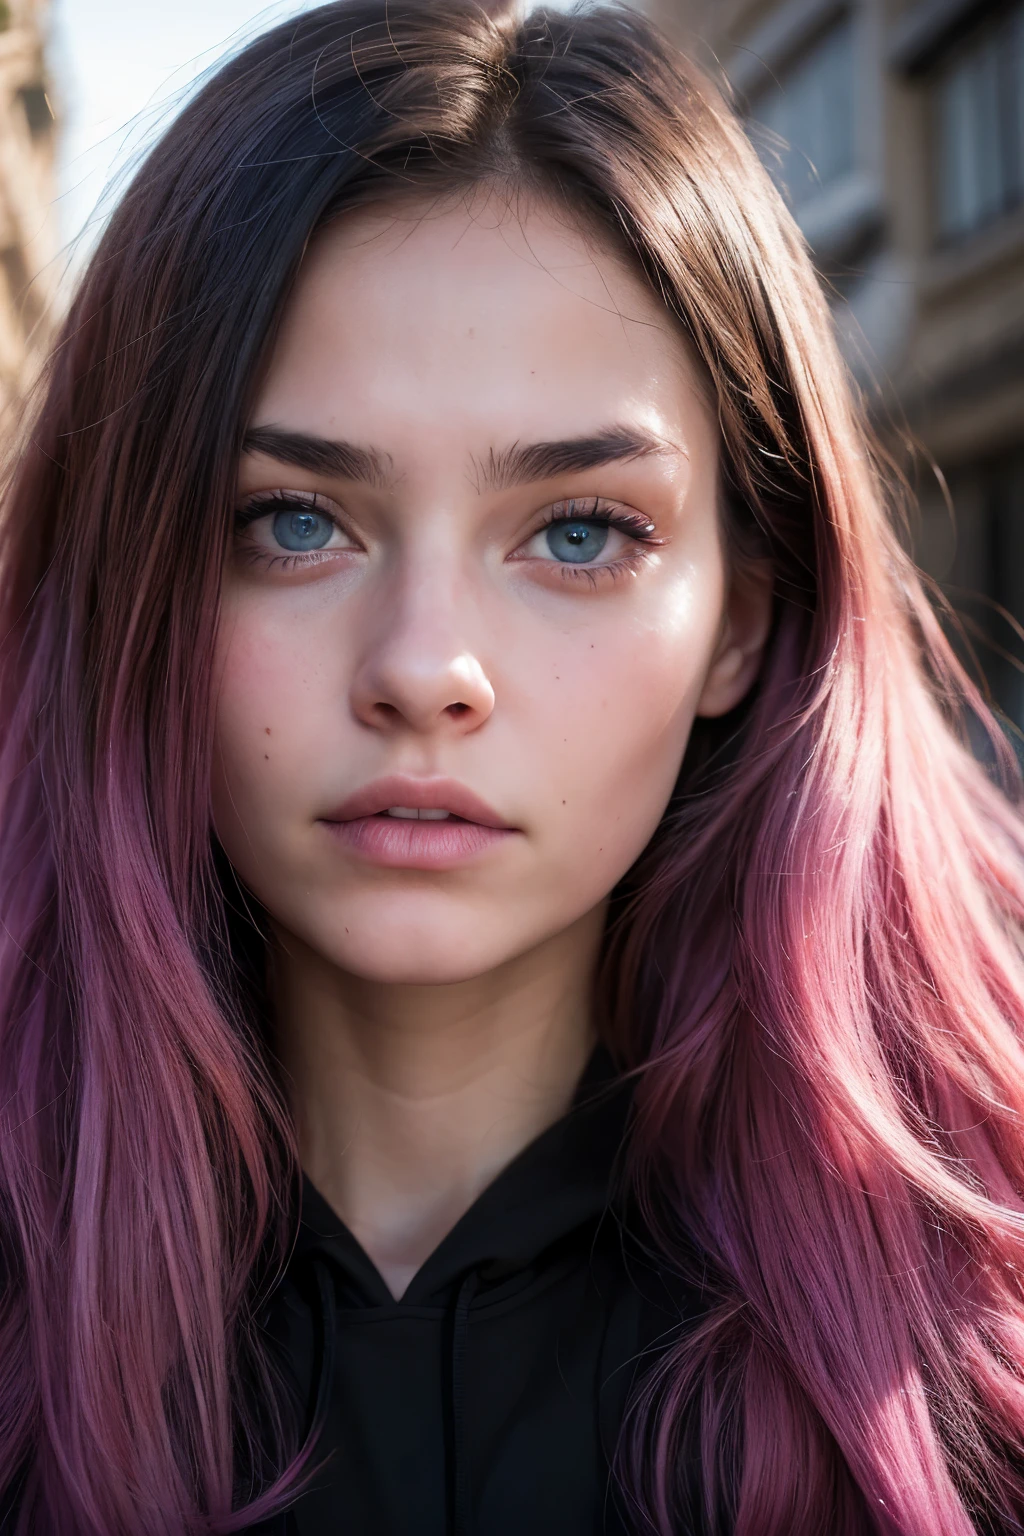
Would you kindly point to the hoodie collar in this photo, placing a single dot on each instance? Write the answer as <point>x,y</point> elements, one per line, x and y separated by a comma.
<point>560,1183</point>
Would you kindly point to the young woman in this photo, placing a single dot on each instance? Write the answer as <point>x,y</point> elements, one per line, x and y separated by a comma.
<point>511,978</point>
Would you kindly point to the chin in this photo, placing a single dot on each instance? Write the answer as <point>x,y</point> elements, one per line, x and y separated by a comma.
<point>414,965</point>
<point>382,949</point>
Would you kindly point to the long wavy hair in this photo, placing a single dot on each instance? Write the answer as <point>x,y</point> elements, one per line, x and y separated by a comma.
<point>814,969</point>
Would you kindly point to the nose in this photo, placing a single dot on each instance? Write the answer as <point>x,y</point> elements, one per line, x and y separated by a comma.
<point>418,670</point>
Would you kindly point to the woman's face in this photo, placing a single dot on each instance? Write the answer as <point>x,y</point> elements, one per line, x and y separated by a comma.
<point>478,549</point>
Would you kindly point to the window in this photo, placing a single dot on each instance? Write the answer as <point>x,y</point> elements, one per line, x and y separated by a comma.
<point>979,124</point>
<point>810,110</point>
<point>1004,506</point>
<point>985,578</point>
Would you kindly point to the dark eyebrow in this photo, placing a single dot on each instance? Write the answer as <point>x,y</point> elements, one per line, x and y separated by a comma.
<point>520,464</point>
<point>320,455</point>
<point>523,463</point>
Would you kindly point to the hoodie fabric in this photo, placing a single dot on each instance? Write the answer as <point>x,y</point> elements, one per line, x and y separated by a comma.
<point>488,1400</point>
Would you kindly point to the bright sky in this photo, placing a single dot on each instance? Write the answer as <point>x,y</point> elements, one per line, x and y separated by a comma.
<point>120,67</point>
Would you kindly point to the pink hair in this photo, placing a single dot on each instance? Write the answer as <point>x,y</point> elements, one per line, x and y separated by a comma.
<point>814,969</point>
<point>832,1075</point>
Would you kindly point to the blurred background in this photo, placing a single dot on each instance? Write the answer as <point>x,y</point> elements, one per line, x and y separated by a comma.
<point>894,127</point>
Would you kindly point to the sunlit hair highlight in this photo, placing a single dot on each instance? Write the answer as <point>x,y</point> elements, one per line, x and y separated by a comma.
<point>814,969</point>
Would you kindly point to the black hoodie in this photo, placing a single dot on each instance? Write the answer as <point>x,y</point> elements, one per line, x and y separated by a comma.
<point>488,1400</point>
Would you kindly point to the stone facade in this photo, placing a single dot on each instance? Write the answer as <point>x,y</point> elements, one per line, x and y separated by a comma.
<point>904,121</point>
<point>27,189</point>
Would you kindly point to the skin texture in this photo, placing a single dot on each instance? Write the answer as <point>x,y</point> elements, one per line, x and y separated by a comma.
<point>431,1022</point>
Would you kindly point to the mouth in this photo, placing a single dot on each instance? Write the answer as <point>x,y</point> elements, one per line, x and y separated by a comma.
<point>411,813</point>
<point>402,822</point>
<point>402,797</point>
<point>436,840</point>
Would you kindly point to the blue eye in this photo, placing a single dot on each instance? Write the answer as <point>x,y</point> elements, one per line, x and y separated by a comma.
<point>577,540</point>
<point>299,531</point>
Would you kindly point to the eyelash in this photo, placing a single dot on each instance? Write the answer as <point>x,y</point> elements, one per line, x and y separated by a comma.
<point>633,524</point>
<point>637,527</point>
<point>279,501</point>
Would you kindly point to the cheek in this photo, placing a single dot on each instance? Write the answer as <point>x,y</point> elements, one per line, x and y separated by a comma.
<point>619,710</point>
<point>264,722</point>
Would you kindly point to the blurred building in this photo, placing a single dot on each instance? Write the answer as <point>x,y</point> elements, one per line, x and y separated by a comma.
<point>27,238</point>
<point>897,130</point>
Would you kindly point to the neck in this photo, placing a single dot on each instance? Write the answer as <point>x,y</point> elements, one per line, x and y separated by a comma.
<point>409,1100</point>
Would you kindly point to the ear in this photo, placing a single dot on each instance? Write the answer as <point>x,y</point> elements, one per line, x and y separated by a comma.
<point>745,625</point>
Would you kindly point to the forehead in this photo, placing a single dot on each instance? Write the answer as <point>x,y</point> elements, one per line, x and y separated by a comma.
<point>462,319</point>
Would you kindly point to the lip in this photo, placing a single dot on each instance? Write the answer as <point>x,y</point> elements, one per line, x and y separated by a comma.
<point>420,795</point>
<point>396,843</point>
